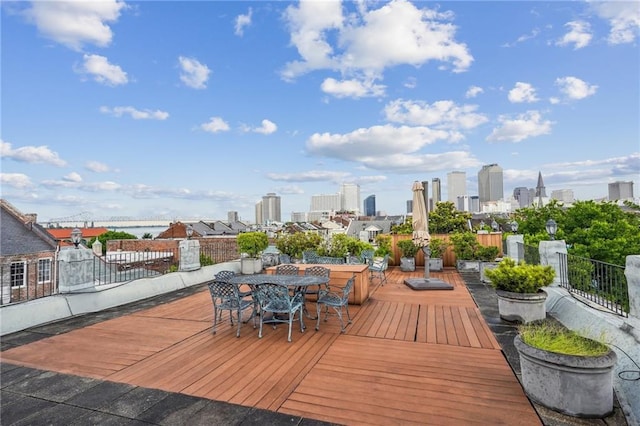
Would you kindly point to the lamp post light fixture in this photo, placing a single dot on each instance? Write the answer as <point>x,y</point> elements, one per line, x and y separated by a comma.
<point>76,237</point>
<point>494,225</point>
<point>552,228</point>
<point>514,226</point>
<point>189,231</point>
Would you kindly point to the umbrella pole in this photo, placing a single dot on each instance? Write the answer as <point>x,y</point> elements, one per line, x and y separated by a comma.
<point>427,254</point>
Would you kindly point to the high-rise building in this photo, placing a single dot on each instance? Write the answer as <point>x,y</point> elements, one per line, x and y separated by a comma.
<point>409,206</point>
<point>350,197</point>
<point>425,186</point>
<point>523,196</point>
<point>325,202</point>
<point>370,205</point>
<point>620,190</point>
<point>298,217</point>
<point>436,191</point>
<point>232,216</point>
<point>456,186</point>
<point>490,183</point>
<point>271,208</point>
<point>564,195</point>
<point>468,203</point>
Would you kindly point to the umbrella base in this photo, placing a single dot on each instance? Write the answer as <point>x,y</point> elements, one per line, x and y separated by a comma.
<point>430,284</point>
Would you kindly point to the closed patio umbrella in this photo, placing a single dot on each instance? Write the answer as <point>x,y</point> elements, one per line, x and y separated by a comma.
<point>421,238</point>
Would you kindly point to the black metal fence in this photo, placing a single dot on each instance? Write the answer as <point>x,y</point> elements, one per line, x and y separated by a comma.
<point>601,283</point>
<point>32,287</point>
<point>531,254</point>
<point>132,265</point>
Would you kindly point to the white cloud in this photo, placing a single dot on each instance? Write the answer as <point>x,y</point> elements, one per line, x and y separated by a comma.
<point>31,154</point>
<point>267,127</point>
<point>524,126</point>
<point>574,88</point>
<point>102,71</point>
<point>473,91</point>
<point>623,17</point>
<point>579,35</point>
<point>193,73</point>
<point>523,92</point>
<point>309,176</point>
<point>534,33</point>
<point>96,167</point>
<point>397,33</point>
<point>242,21</point>
<point>215,125</point>
<point>352,88</point>
<point>75,23</point>
<point>73,177</point>
<point>134,113</point>
<point>15,180</point>
<point>440,114</point>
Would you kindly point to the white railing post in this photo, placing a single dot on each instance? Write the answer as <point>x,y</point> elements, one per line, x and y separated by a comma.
<point>632,273</point>
<point>75,269</point>
<point>549,251</point>
<point>189,255</point>
<point>515,247</point>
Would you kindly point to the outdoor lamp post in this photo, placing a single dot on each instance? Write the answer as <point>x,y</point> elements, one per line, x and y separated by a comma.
<point>514,226</point>
<point>494,225</point>
<point>552,228</point>
<point>76,236</point>
<point>189,231</point>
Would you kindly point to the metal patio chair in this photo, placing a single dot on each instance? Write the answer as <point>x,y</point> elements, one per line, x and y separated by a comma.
<point>226,297</point>
<point>378,269</point>
<point>367,256</point>
<point>335,298</point>
<point>281,303</point>
<point>318,271</point>
<point>287,269</point>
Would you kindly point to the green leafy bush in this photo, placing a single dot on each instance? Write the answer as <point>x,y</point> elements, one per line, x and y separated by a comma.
<point>341,244</point>
<point>384,244</point>
<point>205,260</point>
<point>555,338</point>
<point>407,248</point>
<point>438,246</point>
<point>298,242</point>
<point>487,253</point>
<point>520,277</point>
<point>465,245</point>
<point>252,243</point>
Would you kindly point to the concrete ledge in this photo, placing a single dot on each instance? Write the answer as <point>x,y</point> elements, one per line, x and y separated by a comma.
<point>53,308</point>
<point>618,332</point>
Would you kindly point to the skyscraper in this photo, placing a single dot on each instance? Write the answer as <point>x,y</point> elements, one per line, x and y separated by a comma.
<point>271,208</point>
<point>490,183</point>
<point>456,186</point>
<point>370,205</point>
<point>436,191</point>
<point>425,186</point>
<point>232,216</point>
<point>620,190</point>
<point>350,197</point>
<point>522,195</point>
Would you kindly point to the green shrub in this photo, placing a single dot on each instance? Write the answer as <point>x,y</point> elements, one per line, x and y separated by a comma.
<point>555,338</point>
<point>465,245</point>
<point>520,277</point>
<point>407,248</point>
<point>438,246</point>
<point>486,253</point>
<point>252,243</point>
<point>205,260</point>
<point>298,242</point>
<point>384,245</point>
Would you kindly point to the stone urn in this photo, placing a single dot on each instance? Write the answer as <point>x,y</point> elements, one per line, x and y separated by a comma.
<point>579,386</point>
<point>522,307</point>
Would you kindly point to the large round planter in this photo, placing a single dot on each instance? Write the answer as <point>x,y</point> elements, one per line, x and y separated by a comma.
<point>522,307</point>
<point>578,386</point>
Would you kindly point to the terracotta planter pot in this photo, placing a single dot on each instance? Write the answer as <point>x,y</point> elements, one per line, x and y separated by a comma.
<point>579,386</point>
<point>522,307</point>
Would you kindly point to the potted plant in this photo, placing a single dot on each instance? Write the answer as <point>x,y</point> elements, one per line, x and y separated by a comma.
<point>519,289</point>
<point>488,259</point>
<point>465,246</point>
<point>408,252</point>
<point>438,246</point>
<point>250,245</point>
<point>565,371</point>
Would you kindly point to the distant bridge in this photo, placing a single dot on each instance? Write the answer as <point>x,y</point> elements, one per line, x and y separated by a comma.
<point>85,222</point>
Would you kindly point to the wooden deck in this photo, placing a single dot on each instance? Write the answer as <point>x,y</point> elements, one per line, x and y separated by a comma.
<point>409,357</point>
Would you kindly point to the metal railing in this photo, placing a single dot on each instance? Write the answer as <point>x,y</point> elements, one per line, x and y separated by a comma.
<point>601,283</point>
<point>128,266</point>
<point>531,254</point>
<point>32,289</point>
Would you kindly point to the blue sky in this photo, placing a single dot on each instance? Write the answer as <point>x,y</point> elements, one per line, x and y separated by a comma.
<point>193,109</point>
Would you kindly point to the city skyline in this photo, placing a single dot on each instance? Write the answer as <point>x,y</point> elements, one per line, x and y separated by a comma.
<point>195,109</point>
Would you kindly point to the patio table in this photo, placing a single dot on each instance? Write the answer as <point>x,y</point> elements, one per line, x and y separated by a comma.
<point>296,282</point>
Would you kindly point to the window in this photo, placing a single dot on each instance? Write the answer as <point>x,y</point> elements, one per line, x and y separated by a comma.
<point>44,271</point>
<point>18,274</point>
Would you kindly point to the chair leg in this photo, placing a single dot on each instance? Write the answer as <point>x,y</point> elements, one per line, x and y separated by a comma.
<point>239,321</point>
<point>260,331</point>
<point>290,322</point>
<point>318,309</point>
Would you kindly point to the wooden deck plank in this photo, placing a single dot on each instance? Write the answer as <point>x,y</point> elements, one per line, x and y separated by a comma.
<point>409,357</point>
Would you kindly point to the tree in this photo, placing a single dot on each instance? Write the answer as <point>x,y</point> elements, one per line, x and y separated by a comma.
<point>445,219</point>
<point>599,231</point>
<point>111,235</point>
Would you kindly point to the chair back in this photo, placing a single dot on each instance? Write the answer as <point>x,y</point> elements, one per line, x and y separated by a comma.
<point>310,256</point>
<point>367,256</point>
<point>287,269</point>
<point>318,271</point>
<point>347,289</point>
<point>224,275</point>
<point>284,258</point>
<point>277,298</point>
<point>227,293</point>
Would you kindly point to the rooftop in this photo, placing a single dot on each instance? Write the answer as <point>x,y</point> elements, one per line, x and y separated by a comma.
<point>426,357</point>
